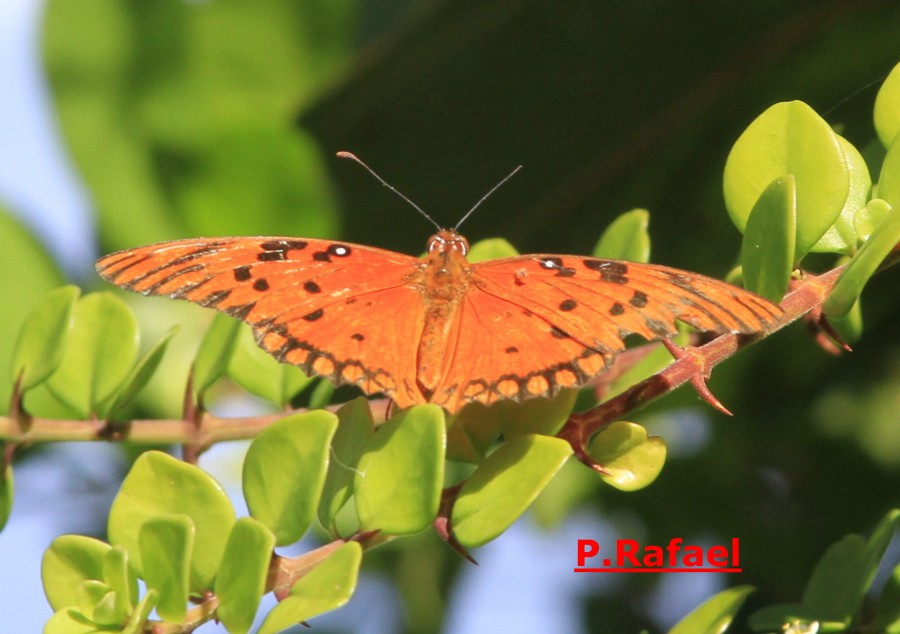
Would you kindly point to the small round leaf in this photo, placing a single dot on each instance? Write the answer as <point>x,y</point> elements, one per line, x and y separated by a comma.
<point>626,238</point>
<point>166,542</point>
<point>767,251</point>
<point>241,581</point>
<point>505,484</point>
<point>399,478</point>
<point>887,108</point>
<point>67,562</point>
<point>715,614</point>
<point>41,342</point>
<point>631,457</point>
<point>284,471</point>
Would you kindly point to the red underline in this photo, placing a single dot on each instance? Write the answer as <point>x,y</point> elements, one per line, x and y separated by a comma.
<point>659,570</point>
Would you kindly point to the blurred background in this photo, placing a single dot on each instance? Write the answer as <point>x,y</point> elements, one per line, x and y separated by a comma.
<point>126,122</point>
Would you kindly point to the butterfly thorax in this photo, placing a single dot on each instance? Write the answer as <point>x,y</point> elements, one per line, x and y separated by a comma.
<point>446,279</point>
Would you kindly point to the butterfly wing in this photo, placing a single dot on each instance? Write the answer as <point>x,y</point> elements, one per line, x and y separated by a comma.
<point>345,311</point>
<point>535,324</point>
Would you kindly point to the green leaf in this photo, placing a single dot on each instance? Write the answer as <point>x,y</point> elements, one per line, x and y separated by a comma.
<point>789,138</point>
<point>714,615</point>
<point>166,542</point>
<point>67,562</point>
<point>102,347</point>
<point>632,458</point>
<point>887,108</point>
<point>863,265</point>
<point>140,374</point>
<point>842,236</point>
<point>284,471</point>
<point>399,478</point>
<point>535,416</point>
<point>97,602</point>
<point>71,621</point>
<point>259,373</point>
<point>471,432</point>
<point>866,219</point>
<point>505,484</point>
<point>626,238</point>
<point>491,249</point>
<point>843,575</point>
<point>35,275</point>
<point>6,494</point>
<point>159,484</point>
<point>355,428</point>
<point>121,580</point>
<point>41,342</point>
<point>241,581</point>
<point>326,587</point>
<point>141,613</point>
<point>887,618</point>
<point>889,178</point>
<point>215,352</point>
<point>767,252</point>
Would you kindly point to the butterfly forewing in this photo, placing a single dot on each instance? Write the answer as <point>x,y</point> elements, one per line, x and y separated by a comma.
<point>340,310</point>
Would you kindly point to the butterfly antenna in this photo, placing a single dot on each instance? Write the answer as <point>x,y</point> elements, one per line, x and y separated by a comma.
<point>353,157</point>
<point>486,196</point>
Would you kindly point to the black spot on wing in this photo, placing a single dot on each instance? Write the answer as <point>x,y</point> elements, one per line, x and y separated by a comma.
<point>639,299</point>
<point>567,305</point>
<point>314,315</point>
<point>242,274</point>
<point>261,285</point>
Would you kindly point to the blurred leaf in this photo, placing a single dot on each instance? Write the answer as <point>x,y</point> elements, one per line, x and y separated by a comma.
<point>140,615</point>
<point>69,560</point>
<point>159,484</point>
<point>864,264</point>
<point>767,252</point>
<point>887,108</point>
<point>241,581</point>
<point>140,374</point>
<point>284,471</point>
<point>35,276</point>
<point>715,614</point>
<point>102,346</point>
<point>166,542</point>
<point>626,238</point>
<point>41,342</point>
<point>491,249</point>
<point>472,431</point>
<point>632,458</point>
<point>354,430</point>
<point>887,618</point>
<point>889,178</point>
<point>789,138</point>
<point>215,352</point>
<point>843,575</point>
<point>850,326</point>
<point>326,587</point>
<point>503,487</point>
<point>259,373</point>
<point>399,477</point>
<point>6,494</point>
<point>535,416</point>
<point>842,236</point>
<point>96,601</point>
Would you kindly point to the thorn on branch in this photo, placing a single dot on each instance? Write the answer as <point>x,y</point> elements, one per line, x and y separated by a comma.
<point>698,378</point>
<point>824,333</point>
<point>441,523</point>
<point>573,433</point>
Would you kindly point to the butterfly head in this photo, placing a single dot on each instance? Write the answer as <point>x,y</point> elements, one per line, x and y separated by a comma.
<point>446,241</point>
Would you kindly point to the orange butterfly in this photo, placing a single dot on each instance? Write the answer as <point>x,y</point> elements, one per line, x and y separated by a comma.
<point>440,329</point>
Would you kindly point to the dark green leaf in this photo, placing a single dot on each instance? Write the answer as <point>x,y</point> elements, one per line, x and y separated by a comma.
<point>284,471</point>
<point>472,431</point>
<point>258,372</point>
<point>535,416</point>
<point>887,618</point>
